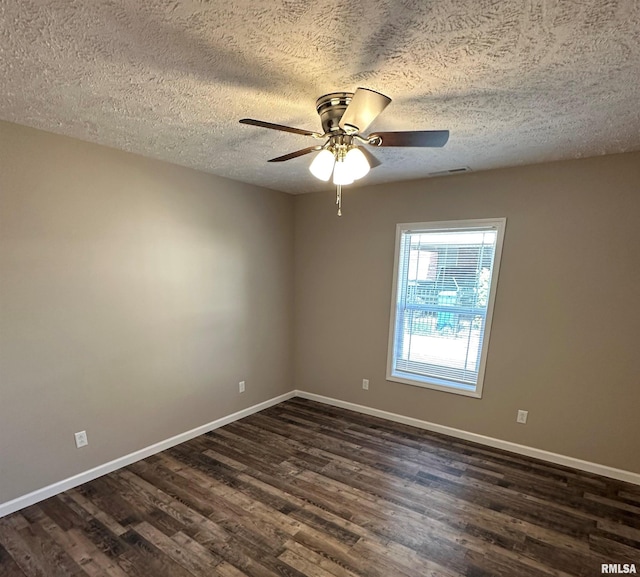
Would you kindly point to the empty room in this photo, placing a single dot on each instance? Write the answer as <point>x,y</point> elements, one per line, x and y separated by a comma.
<point>303,289</point>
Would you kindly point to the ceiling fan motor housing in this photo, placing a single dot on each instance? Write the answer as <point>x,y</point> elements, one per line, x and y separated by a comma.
<point>331,107</point>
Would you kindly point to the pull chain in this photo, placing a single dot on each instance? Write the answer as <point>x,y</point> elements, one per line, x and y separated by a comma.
<point>339,198</point>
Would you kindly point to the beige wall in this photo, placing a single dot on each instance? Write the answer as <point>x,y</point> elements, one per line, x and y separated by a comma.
<point>564,344</point>
<point>134,295</point>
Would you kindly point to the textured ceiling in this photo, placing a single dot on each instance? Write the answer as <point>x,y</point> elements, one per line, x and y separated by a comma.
<point>515,81</point>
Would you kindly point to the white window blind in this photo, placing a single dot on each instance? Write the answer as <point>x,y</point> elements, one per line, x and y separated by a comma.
<point>445,279</point>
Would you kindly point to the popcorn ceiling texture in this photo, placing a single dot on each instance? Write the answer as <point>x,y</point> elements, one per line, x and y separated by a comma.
<point>515,81</point>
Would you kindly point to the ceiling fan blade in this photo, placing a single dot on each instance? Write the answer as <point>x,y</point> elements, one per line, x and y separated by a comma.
<point>363,109</point>
<point>272,126</point>
<point>296,153</point>
<point>371,159</point>
<point>418,138</point>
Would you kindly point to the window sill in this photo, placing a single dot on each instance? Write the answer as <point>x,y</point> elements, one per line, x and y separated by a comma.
<point>436,384</point>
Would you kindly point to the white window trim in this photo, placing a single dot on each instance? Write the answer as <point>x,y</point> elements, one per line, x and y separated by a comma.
<point>450,225</point>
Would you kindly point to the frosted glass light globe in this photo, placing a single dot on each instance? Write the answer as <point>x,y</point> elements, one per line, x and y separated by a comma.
<point>341,173</point>
<point>357,164</point>
<point>322,165</point>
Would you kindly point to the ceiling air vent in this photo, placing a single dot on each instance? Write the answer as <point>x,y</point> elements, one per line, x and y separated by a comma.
<point>450,171</point>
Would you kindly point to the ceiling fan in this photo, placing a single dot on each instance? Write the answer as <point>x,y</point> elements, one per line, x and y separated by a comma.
<point>345,116</point>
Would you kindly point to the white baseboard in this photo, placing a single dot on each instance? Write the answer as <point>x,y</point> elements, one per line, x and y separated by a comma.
<point>79,479</point>
<point>555,458</point>
<point>71,482</point>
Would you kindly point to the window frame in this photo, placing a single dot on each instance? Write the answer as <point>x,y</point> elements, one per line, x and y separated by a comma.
<point>432,382</point>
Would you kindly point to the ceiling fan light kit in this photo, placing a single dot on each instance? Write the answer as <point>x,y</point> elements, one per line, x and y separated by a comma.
<point>347,163</point>
<point>344,117</point>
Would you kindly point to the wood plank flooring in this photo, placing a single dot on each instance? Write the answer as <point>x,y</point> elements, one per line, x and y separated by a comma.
<point>303,489</point>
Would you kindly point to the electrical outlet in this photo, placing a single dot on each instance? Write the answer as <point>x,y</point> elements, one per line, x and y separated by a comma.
<point>522,417</point>
<point>81,439</point>
<point>365,384</point>
<point>241,386</point>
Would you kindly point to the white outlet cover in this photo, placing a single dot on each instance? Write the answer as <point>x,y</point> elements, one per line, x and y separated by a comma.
<point>522,417</point>
<point>365,384</point>
<point>241,386</point>
<point>81,439</point>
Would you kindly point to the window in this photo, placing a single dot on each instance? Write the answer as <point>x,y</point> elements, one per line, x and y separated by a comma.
<point>445,277</point>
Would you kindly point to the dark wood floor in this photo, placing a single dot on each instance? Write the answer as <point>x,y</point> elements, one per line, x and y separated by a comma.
<point>303,489</point>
